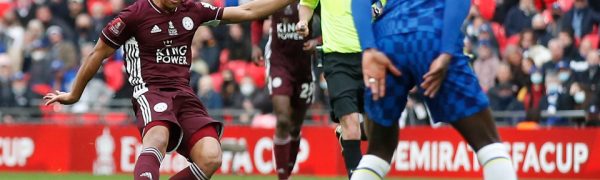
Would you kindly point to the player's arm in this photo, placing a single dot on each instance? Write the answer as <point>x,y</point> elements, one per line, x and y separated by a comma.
<point>253,10</point>
<point>375,64</point>
<point>306,9</point>
<point>256,31</point>
<point>88,69</point>
<point>455,13</point>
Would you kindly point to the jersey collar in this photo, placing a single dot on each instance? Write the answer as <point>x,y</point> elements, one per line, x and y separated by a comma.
<point>158,9</point>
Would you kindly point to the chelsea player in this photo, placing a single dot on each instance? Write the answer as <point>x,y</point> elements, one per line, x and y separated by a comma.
<point>420,43</point>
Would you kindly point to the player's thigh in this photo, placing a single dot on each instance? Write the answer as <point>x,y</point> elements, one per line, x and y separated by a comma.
<point>155,117</point>
<point>478,129</point>
<point>193,117</point>
<point>344,83</point>
<point>460,95</point>
<point>387,110</point>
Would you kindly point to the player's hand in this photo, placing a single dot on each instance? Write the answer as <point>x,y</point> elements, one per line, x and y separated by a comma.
<point>310,45</point>
<point>375,66</point>
<point>257,55</point>
<point>432,81</point>
<point>60,97</point>
<point>302,28</point>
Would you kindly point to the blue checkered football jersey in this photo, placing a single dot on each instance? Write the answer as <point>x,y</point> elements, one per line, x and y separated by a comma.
<point>403,16</point>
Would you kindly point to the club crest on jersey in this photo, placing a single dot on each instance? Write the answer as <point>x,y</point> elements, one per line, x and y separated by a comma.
<point>188,23</point>
<point>155,29</point>
<point>116,26</point>
<point>172,30</point>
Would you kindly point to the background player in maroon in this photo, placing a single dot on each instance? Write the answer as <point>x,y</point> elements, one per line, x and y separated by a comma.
<point>290,82</point>
<point>156,36</point>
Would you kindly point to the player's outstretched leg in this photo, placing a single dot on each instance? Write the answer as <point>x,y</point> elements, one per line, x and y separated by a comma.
<point>382,144</point>
<point>350,141</point>
<point>282,143</point>
<point>480,132</point>
<point>155,143</point>
<point>205,154</point>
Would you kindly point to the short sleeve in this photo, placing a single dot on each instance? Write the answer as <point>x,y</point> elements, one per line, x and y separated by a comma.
<point>209,15</point>
<point>309,3</point>
<point>117,31</point>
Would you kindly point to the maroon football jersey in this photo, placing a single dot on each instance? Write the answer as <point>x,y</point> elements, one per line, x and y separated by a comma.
<point>285,45</point>
<point>157,42</point>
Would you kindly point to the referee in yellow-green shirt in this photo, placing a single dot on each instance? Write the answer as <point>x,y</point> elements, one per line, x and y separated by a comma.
<point>343,71</point>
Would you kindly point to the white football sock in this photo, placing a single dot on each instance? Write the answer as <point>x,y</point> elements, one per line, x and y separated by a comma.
<point>371,167</point>
<point>496,162</point>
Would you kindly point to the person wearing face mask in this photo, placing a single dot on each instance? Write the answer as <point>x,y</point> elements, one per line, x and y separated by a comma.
<point>564,74</point>
<point>531,94</point>
<point>582,98</point>
<point>556,99</point>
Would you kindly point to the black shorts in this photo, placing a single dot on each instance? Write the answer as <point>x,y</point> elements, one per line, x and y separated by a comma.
<point>343,73</point>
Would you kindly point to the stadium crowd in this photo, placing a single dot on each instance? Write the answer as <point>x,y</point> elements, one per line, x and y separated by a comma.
<point>529,55</point>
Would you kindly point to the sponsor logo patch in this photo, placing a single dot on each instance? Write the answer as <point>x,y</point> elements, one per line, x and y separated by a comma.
<point>116,26</point>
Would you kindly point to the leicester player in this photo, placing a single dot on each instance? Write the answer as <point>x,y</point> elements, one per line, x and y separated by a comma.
<point>290,81</point>
<point>156,36</point>
<point>423,40</point>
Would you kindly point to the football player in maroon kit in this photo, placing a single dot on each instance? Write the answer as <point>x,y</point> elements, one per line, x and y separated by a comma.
<point>156,36</point>
<point>290,81</point>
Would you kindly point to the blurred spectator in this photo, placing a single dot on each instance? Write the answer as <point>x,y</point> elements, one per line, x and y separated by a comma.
<point>557,49</point>
<point>568,40</point>
<point>209,97</point>
<point>532,94</point>
<point>502,96</point>
<point>532,48</point>
<point>485,65</point>
<point>540,29</point>
<point>76,8</point>
<point>232,98</point>
<point>591,75</point>
<point>25,10</point>
<point>592,116</point>
<point>64,59</point>
<point>519,17</point>
<point>531,121</point>
<point>209,48</point>
<point>581,18</point>
<point>582,97</point>
<point>585,47</point>
<point>502,9</point>
<point>15,34</point>
<point>513,56</point>
<point>238,44</point>
<point>7,96</point>
<point>556,13</point>
<point>565,74</point>
<point>556,99</point>
<point>85,30</point>
<point>98,17</point>
<point>45,16</point>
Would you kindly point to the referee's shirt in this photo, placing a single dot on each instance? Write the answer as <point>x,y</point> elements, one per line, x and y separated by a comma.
<point>337,26</point>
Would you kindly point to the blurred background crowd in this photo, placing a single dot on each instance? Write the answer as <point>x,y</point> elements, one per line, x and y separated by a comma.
<point>538,61</point>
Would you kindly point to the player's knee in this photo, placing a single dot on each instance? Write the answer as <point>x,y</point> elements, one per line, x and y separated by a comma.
<point>156,139</point>
<point>209,161</point>
<point>350,127</point>
<point>284,124</point>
